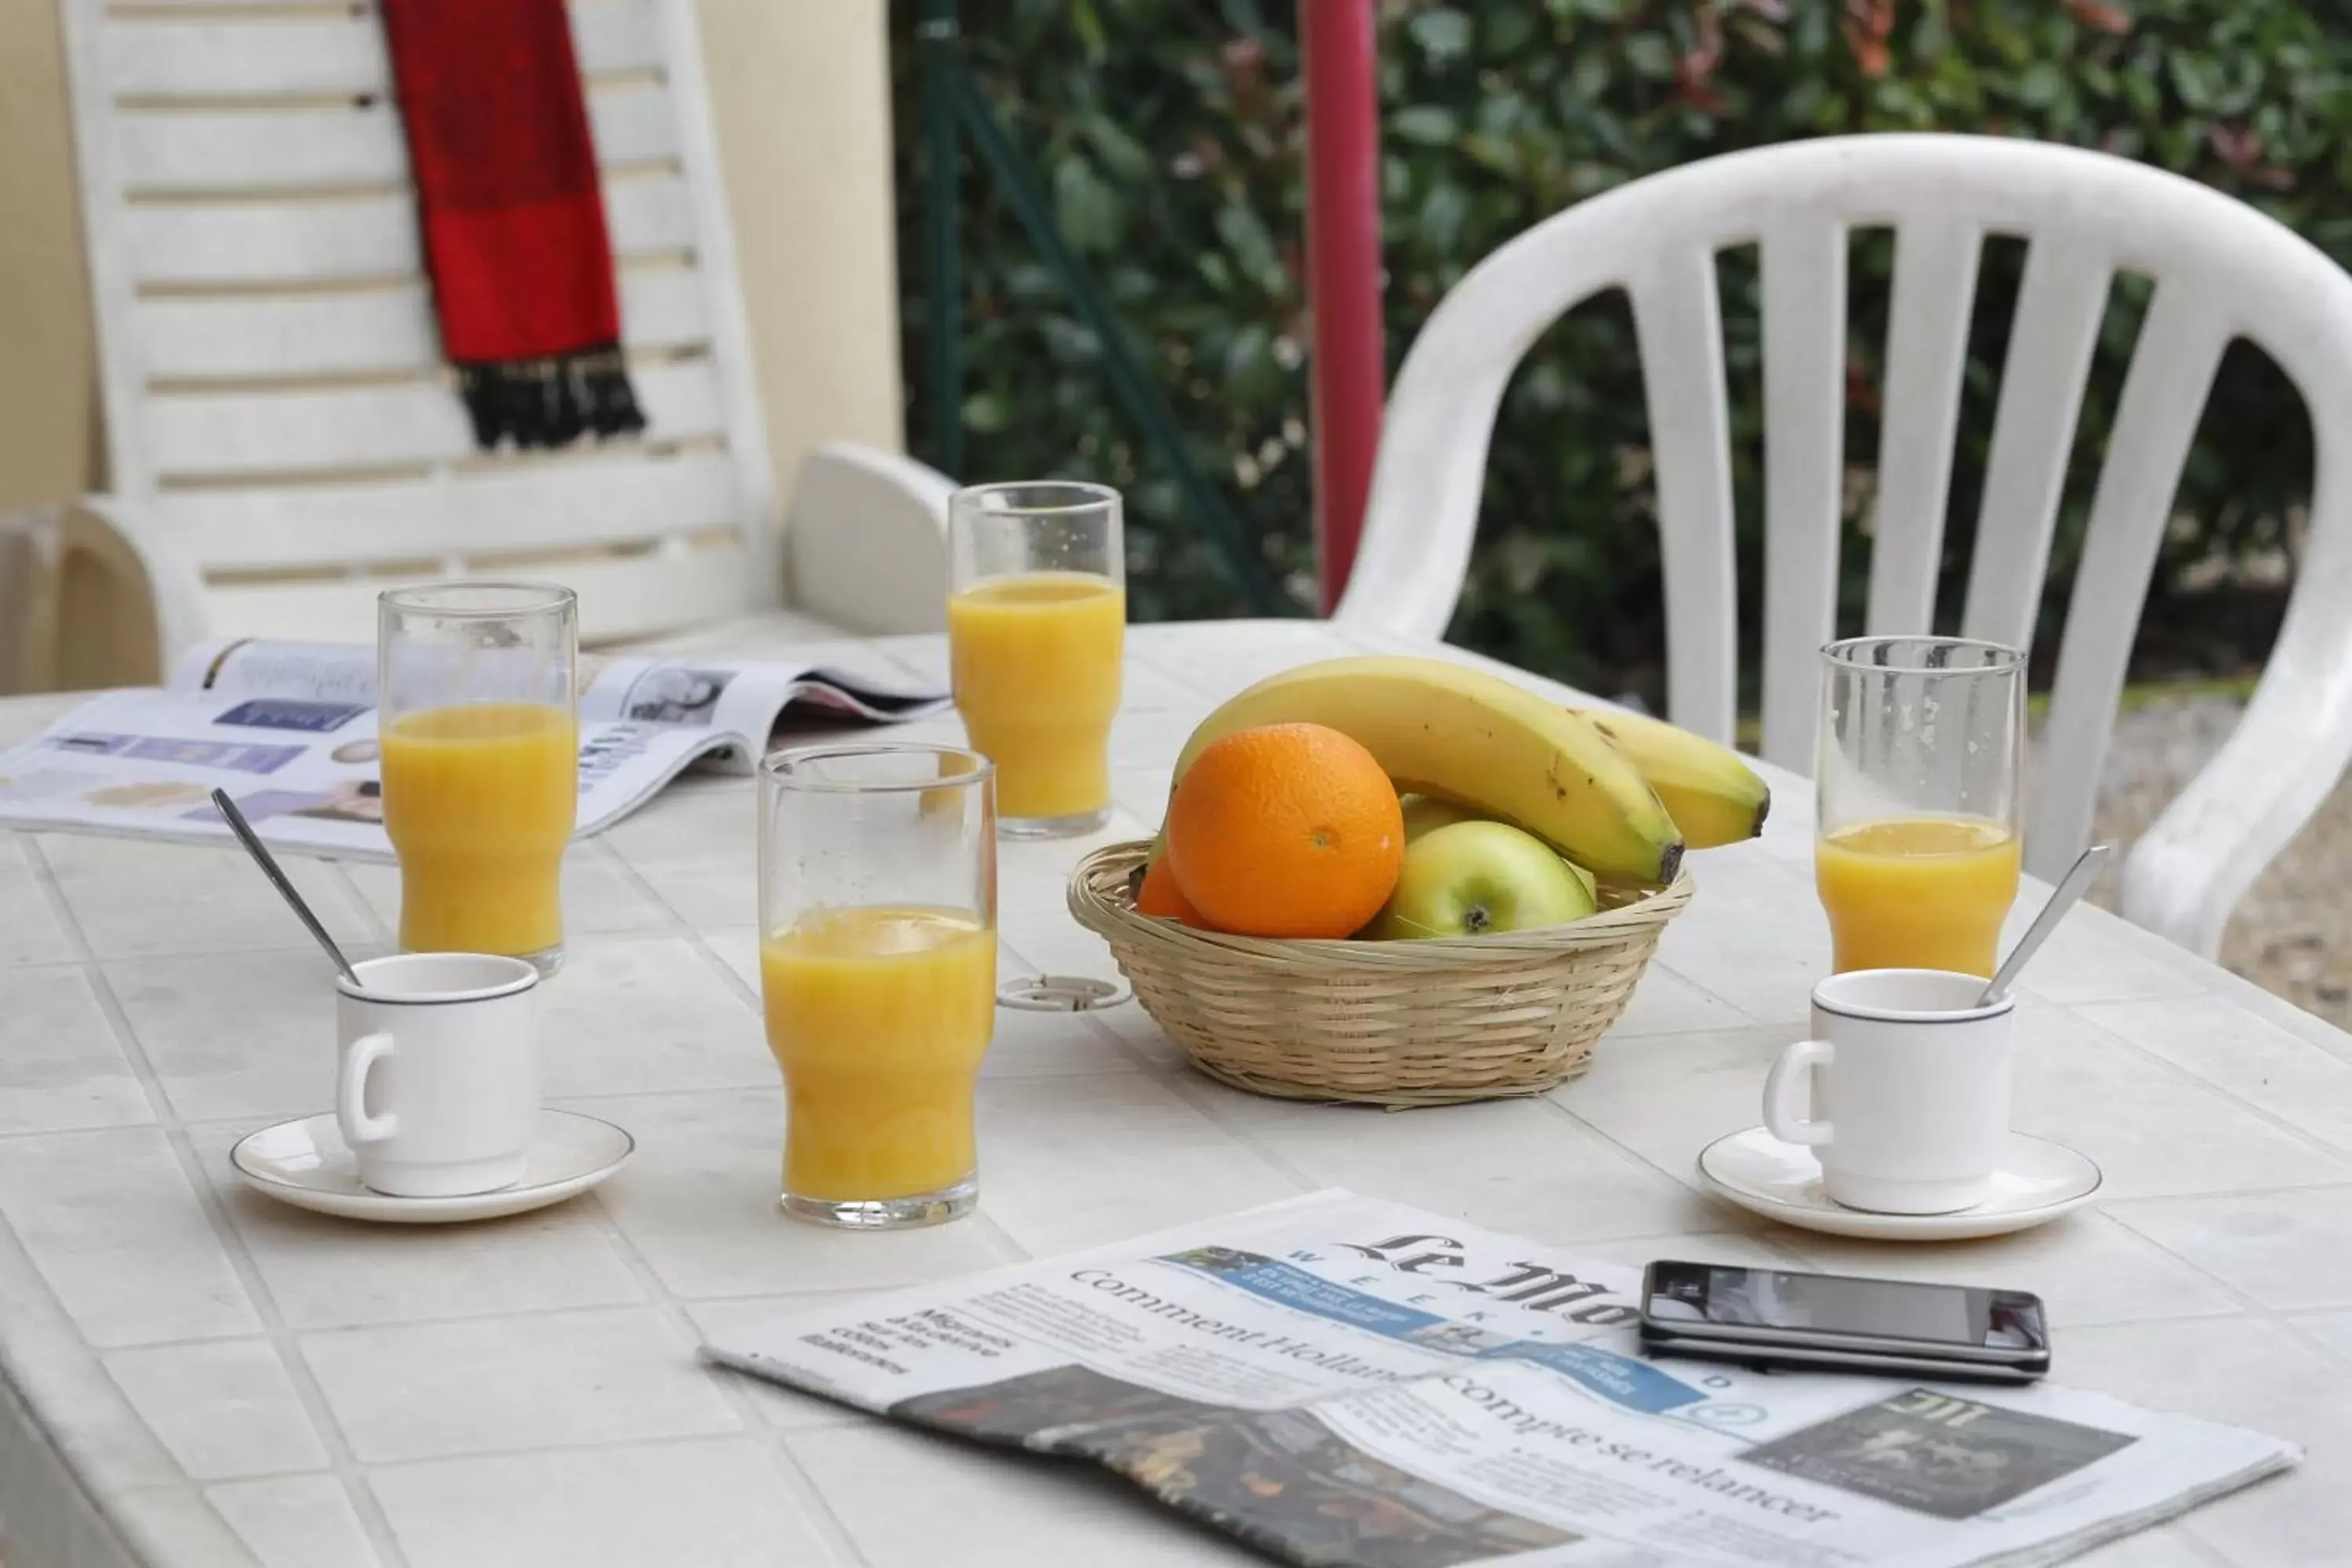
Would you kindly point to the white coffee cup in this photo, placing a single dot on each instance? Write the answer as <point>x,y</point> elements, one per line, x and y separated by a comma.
<point>1903,1091</point>
<point>436,1086</point>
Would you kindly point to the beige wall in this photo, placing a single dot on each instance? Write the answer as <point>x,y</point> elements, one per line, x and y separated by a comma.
<point>800,95</point>
<point>800,91</point>
<point>48,397</point>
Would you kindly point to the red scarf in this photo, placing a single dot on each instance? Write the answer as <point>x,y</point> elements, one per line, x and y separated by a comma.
<point>512,215</point>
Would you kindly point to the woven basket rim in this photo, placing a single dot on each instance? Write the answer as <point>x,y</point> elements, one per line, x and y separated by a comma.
<point>1098,901</point>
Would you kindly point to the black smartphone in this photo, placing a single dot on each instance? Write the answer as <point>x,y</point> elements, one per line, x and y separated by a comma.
<point>1776,1317</point>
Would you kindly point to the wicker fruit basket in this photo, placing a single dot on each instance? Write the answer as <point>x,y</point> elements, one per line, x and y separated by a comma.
<point>1388,1023</point>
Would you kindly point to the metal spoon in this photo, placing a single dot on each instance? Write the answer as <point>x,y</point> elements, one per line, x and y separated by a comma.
<point>2076,882</point>
<point>269,868</point>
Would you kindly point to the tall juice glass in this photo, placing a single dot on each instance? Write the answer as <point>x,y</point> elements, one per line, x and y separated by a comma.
<point>878,962</point>
<point>1036,626</point>
<point>481,762</point>
<point>1916,800</point>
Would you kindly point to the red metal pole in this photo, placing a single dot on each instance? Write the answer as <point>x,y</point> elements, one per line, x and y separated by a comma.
<point>1347,375</point>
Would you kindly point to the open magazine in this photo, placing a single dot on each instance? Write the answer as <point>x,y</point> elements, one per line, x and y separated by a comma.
<point>289,730</point>
<point>1340,1381</point>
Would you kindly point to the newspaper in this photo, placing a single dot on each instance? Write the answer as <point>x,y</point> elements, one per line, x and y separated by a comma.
<point>1338,1380</point>
<point>289,730</point>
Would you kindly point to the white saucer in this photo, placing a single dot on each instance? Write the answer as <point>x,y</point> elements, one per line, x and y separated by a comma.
<point>304,1163</point>
<point>2037,1181</point>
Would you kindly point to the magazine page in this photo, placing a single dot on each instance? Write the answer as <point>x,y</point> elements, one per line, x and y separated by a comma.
<point>289,730</point>
<point>143,764</point>
<point>740,701</point>
<point>1341,1380</point>
<point>742,696</point>
<point>258,666</point>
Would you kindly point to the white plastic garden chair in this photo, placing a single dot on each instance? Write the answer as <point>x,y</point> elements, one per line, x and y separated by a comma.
<point>283,440</point>
<point>2222,272</point>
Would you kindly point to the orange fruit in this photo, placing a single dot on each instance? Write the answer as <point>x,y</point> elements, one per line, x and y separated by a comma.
<point>1287,830</point>
<point>1161,896</point>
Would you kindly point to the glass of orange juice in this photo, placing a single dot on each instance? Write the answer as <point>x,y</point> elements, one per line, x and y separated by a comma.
<point>877,964</point>
<point>1036,629</point>
<point>1916,800</point>
<point>480,737</point>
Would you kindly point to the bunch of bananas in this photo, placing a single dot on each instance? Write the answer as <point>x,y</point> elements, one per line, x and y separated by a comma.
<point>1618,793</point>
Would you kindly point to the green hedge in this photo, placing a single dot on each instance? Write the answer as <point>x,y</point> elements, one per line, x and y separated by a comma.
<point>1168,137</point>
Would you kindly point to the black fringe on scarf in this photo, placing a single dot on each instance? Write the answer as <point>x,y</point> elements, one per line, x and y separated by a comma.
<point>550,402</point>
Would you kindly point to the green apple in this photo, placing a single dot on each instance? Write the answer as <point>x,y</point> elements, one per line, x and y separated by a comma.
<point>1475,879</point>
<point>1424,812</point>
<point>1591,883</point>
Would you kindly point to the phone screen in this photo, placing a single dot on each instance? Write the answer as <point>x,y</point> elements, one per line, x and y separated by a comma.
<point>1835,1304</point>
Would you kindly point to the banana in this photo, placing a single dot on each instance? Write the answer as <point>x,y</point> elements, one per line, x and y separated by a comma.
<point>1441,728</point>
<point>1713,798</point>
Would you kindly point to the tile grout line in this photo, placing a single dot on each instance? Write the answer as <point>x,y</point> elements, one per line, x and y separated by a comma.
<point>2249,1305</point>
<point>2337,1153</point>
<point>752,1423</point>
<point>2293,1325</point>
<point>281,1339</point>
<point>787,1300</point>
<point>1626,1151</point>
<point>352,894</point>
<point>1181,1083</point>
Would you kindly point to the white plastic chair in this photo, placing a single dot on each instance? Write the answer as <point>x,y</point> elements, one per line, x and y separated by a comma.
<point>2222,272</point>
<point>283,441</point>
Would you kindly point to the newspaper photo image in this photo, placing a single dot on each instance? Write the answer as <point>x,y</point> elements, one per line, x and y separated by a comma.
<point>289,731</point>
<point>1340,1380</point>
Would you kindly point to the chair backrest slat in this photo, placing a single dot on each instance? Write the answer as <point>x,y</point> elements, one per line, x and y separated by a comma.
<point>528,504</point>
<point>2051,342</point>
<point>208,434</point>
<point>357,240</point>
<point>176,153</point>
<point>2156,420</point>
<point>164,57</point>
<point>649,589</point>
<point>1927,356</point>
<point>1804,282</point>
<point>371,332</point>
<point>1677,317</point>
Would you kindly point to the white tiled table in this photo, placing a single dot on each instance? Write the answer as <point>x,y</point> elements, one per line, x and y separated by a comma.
<point>198,1376</point>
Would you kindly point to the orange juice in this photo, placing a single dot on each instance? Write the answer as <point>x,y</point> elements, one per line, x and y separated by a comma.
<point>479,799</point>
<point>1036,667</point>
<point>1925,892</point>
<point>878,1019</point>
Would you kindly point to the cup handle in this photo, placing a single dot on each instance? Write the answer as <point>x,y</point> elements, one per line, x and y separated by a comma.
<point>351,1093</point>
<point>1789,1090</point>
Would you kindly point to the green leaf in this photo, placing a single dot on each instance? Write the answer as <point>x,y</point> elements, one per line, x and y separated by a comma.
<point>1443,212</point>
<point>1249,362</point>
<point>1252,247</point>
<point>1085,210</point>
<point>2039,84</point>
<point>1120,154</point>
<point>987,412</point>
<point>2197,81</point>
<point>1510,29</point>
<point>1650,54</point>
<point>1443,33</point>
<point>1427,125</point>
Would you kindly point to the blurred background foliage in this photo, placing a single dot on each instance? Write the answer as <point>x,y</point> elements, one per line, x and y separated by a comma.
<point>1167,135</point>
